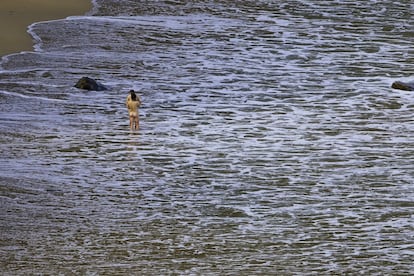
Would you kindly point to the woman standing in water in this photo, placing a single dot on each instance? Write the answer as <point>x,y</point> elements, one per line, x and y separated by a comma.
<point>132,103</point>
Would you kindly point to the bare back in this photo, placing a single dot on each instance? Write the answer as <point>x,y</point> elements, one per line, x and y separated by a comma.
<point>133,107</point>
<point>133,102</point>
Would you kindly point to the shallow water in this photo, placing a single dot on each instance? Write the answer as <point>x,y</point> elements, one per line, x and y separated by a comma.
<point>270,141</point>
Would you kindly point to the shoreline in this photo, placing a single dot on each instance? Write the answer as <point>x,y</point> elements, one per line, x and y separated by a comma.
<point>17,15</point>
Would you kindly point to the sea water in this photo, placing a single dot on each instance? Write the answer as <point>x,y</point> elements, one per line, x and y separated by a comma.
<point>270,141</point>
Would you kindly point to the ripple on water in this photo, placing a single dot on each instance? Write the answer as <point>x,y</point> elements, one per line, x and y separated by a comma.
<point>267,129</point>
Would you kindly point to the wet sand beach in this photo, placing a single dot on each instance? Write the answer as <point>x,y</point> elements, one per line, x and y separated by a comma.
<point>17,15</point>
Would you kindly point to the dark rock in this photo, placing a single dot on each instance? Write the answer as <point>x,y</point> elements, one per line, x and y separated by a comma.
<point>47,75</point>
<point>407,86</point>
<point>90,84</point>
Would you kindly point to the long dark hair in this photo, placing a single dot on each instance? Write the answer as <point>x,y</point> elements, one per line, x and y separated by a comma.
<point>133,95</point>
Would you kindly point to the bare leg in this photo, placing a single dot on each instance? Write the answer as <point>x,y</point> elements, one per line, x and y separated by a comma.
<point>131,119</point>
<point>136,122</point>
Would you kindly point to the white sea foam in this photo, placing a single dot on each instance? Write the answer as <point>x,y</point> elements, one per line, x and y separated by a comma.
<point>267,129</point>
<point>33,97</point>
